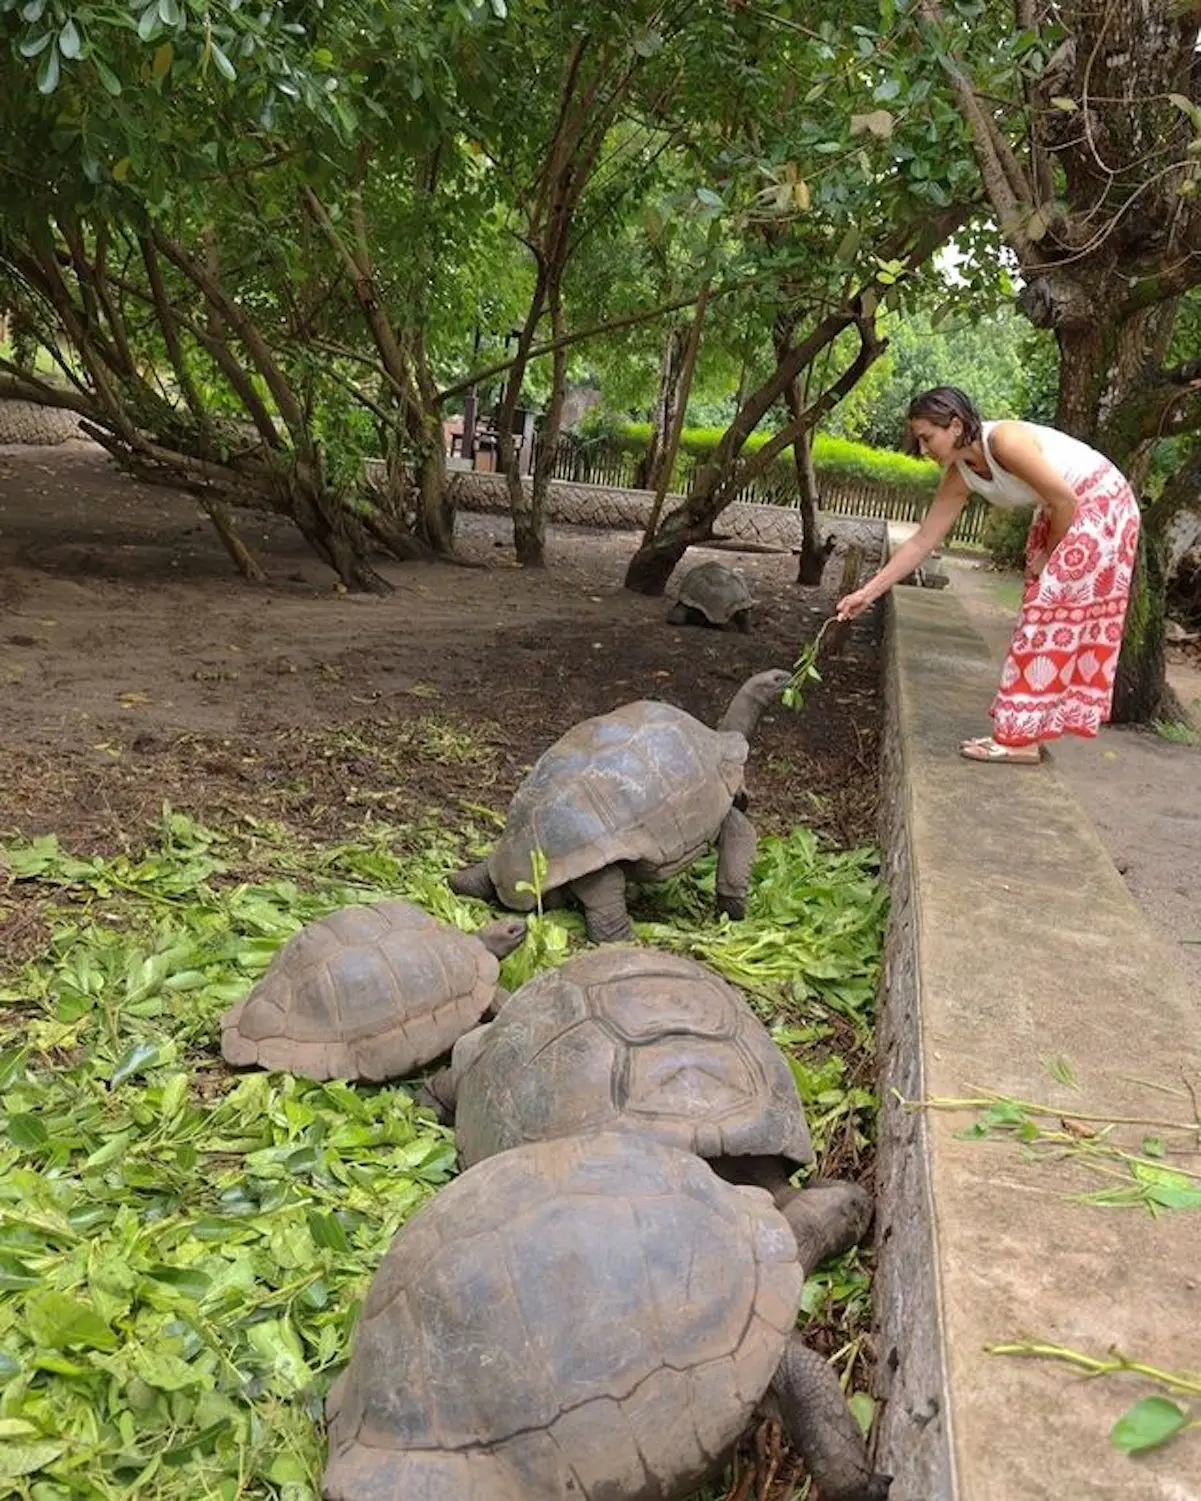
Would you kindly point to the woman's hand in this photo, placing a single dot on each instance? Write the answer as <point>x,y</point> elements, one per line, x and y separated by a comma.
<point>1035,565</point>
<point>851,605</point>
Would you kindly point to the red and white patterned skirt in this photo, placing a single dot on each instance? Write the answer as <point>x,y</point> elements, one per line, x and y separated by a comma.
<point>1059,674</point>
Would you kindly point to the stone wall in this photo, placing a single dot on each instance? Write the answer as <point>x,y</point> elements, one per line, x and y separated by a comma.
<point>27,422</point>
<point>1013,942</point>
<point>910,1380</point>
<point>610,508</point>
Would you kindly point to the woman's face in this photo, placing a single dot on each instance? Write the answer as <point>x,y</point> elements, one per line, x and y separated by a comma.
<point>938,443</point>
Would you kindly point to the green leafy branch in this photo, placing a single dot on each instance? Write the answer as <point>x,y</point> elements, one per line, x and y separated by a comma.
<point>1144,1177</point>
<point>1151,1421</point>
<point>804,669</point>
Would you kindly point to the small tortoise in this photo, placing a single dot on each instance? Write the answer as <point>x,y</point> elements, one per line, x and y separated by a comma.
<point>631,1039</point>
<point>642,791</point>
<point>712,594</point>
<point>369,992</point>
<point>589,1319</point>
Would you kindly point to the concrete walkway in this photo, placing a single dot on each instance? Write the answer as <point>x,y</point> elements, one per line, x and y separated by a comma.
<point>1019,969</point>
<point>1142,792</point>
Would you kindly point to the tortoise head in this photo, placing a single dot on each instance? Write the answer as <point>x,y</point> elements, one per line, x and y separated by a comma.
<point>751,699</point>
<point>502,937</point>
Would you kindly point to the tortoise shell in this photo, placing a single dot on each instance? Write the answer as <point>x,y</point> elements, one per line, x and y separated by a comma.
<point>589,1317</point>
<point>646,786</point>
<point>370,992</point>
<point>629,1039</point>
<point>717,591</point>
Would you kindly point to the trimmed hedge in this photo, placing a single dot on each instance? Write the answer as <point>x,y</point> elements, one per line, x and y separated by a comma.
<point>831,456</point>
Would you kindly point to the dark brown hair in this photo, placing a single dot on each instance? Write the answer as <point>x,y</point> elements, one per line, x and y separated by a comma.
<point>942,404</point>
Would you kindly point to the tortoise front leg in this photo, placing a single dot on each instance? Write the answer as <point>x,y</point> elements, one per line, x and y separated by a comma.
<point>736,845</point>
<point>603,897</point>
<point>438,1094</point>
<point>474,880</point>
<point>822,1429</point>
<point>827,1217</point>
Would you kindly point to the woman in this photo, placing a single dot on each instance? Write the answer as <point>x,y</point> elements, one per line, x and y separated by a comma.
<point>1059,674</point>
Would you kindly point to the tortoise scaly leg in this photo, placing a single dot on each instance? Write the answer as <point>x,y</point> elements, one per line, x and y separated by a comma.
<point>474,880</point>
<point>736,845</point>
<point>603,897</point>
<point>827,1217</point>
<point>438,1094</point>
<point>822,1429</point>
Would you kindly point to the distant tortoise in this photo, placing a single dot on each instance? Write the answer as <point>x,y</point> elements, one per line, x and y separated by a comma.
<point>712,594</point>
<point>643,792</point>
<point>369,992</point>
<point>631,1039</point>
<point>589,1319</point>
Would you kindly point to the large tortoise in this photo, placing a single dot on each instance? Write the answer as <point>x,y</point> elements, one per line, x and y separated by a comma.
<point>642,791</point>
<point>713,594</point>
<point>631,1039</point>
<point>588,1319</point>
<point>370,992</point>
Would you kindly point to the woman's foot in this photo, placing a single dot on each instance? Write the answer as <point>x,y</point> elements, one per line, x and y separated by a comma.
<point>987,749</point>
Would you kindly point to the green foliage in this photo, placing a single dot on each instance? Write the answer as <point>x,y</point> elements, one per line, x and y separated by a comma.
<point>833,456</point>
<point>183,1251</point>
<point>1176,731</point>
<point>804,670</point>
<point>1153,1420</point>
<point>1090,1141</point>
<point>1008,367</point>
<point>1149,1423</point>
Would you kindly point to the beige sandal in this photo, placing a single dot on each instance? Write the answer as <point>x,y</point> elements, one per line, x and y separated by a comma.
<point>987,749</point>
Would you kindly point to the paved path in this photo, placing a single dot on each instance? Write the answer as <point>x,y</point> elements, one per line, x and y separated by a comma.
<point>1143,793</point>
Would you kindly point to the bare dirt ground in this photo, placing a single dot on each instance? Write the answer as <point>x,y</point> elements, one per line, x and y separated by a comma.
<point>137,667</point>
<point>1142,792</point>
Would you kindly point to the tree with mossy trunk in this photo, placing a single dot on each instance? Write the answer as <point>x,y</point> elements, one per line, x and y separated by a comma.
<point>1086,126</point>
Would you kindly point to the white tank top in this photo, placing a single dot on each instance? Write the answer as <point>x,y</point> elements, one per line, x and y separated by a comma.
<point>1075,460</point>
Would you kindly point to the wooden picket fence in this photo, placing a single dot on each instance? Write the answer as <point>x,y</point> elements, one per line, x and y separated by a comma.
<point>600,462</point>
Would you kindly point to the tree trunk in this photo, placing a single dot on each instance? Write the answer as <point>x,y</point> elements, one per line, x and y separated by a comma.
<point>1139,690</point>
<point>336,536</point>
<point>667,405</point>
<point>244,560</point>
<point>1104,359</point>
<point>528,525</point>
<point>692,523</point>
<point>812,560</point>
<point>719,481</point>
<point>435,514</point>
<point>811,563</point>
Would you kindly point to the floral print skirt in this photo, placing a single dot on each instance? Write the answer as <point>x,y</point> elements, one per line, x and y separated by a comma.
<point>1058,677</point>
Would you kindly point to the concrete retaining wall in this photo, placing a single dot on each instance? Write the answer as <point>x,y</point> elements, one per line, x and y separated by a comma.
<point>1013,940</point>
<point>610,508</point>
<point>26,422</point>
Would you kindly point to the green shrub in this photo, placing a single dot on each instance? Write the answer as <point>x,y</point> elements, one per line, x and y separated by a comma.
<point>1005,534</point>
<point>831,456</point>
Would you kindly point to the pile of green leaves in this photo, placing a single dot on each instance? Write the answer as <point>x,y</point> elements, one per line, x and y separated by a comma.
<point>183,1250</point>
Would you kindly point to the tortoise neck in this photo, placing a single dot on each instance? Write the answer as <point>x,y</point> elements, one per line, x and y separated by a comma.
<point>745,711</point>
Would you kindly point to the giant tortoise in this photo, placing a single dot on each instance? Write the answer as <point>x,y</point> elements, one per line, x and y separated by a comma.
<point>589,1319</point>
<point>713,594</point>
<point>631,1039</point>
<point>369,992</point>
<point>642,791</point>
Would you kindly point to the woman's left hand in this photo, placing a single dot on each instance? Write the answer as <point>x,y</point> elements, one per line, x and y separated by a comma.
<point>1036,564</point>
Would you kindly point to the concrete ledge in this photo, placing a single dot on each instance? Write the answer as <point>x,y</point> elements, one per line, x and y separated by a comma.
<point>1012,939</point>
